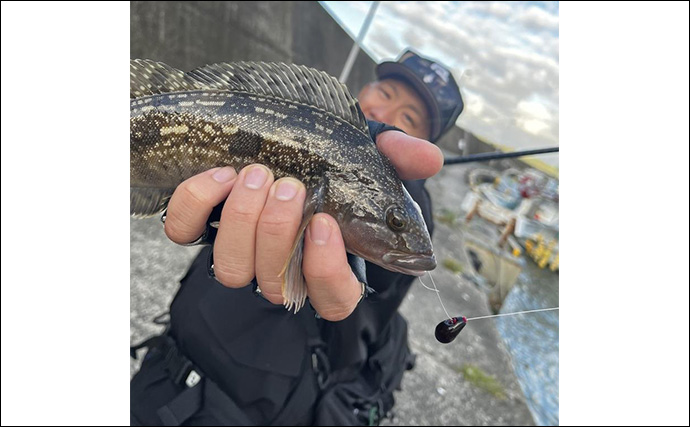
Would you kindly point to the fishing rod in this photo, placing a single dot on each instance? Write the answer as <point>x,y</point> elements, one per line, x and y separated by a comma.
<point>497,155</point>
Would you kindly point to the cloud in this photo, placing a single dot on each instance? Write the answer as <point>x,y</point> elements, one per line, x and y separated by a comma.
<point>383,41</point>
<point>533,126</point>
<point>533,117</point>
<point>512,49</point>
<point>500,9</point>
<point>535,110</point>
<point>536,18</point>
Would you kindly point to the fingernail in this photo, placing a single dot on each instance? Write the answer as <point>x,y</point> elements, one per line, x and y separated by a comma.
<point>224,174</point>
<point>287,190</point>
<point>320,231</point>
<point>256,177</point>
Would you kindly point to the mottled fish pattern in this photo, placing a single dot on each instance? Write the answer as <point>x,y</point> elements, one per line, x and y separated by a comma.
<point>299,122</point>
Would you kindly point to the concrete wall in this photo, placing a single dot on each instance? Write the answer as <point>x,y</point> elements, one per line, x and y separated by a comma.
<point>187,35</point>
<point>474,145</point>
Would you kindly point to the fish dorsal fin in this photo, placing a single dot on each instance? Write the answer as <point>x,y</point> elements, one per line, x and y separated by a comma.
<point>148,77</point>
<point>290,82</point>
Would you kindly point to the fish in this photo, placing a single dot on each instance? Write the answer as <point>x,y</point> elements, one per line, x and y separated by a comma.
<point>298,121</point>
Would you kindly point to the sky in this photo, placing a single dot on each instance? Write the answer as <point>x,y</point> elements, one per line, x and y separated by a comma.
<point>504,56</point>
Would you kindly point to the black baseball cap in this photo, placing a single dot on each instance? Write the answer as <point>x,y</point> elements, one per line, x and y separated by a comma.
<point>435,84</point>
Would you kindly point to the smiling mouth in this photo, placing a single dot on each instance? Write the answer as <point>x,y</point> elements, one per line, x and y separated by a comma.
<point>415,265</point>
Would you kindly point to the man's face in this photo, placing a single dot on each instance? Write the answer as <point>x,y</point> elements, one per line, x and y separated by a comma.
<point>396,103</point>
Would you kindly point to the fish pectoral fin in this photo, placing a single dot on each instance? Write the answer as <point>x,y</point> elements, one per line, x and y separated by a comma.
<point>294,287</point>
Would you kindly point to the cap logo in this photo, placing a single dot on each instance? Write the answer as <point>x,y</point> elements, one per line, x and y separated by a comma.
<point>445,98</point>
<point>441,72</point>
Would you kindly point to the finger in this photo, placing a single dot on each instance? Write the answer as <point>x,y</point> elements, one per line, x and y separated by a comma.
<point>235,243</point>
<point>332,286</point>
<point>412,157</point>
<point>276,233</point>
<point>193,200</point>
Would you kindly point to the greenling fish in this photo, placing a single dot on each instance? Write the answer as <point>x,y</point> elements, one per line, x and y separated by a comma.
<point>299,122</point>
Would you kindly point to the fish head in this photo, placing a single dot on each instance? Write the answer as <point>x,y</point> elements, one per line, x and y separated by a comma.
<point>390,232</point>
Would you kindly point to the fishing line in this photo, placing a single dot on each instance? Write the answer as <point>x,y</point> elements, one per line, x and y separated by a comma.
<point>512,314</point>
<point>448,329</point>
<point>438,293</point>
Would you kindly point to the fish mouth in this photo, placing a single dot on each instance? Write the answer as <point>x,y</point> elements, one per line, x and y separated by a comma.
<point>414,265</point>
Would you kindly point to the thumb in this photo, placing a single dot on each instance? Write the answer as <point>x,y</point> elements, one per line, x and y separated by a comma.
<point>413,158</point>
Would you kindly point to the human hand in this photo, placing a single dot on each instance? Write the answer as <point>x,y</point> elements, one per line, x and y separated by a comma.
<point>260,220</point>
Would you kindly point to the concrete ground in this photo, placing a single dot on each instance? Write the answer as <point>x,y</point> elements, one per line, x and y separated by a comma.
<point>436,392</point>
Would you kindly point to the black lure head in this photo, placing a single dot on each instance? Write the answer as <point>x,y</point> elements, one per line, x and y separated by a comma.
<point>447,330</point>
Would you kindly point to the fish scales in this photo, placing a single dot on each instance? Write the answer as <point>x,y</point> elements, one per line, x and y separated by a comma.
<point>203,130</point>
<point>297,121</point>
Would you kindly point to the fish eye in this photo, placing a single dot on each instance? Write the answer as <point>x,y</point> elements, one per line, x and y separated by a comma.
<point>396,219</point>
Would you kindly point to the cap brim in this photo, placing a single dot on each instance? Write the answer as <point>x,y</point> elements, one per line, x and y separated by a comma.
<point>392,69</point>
